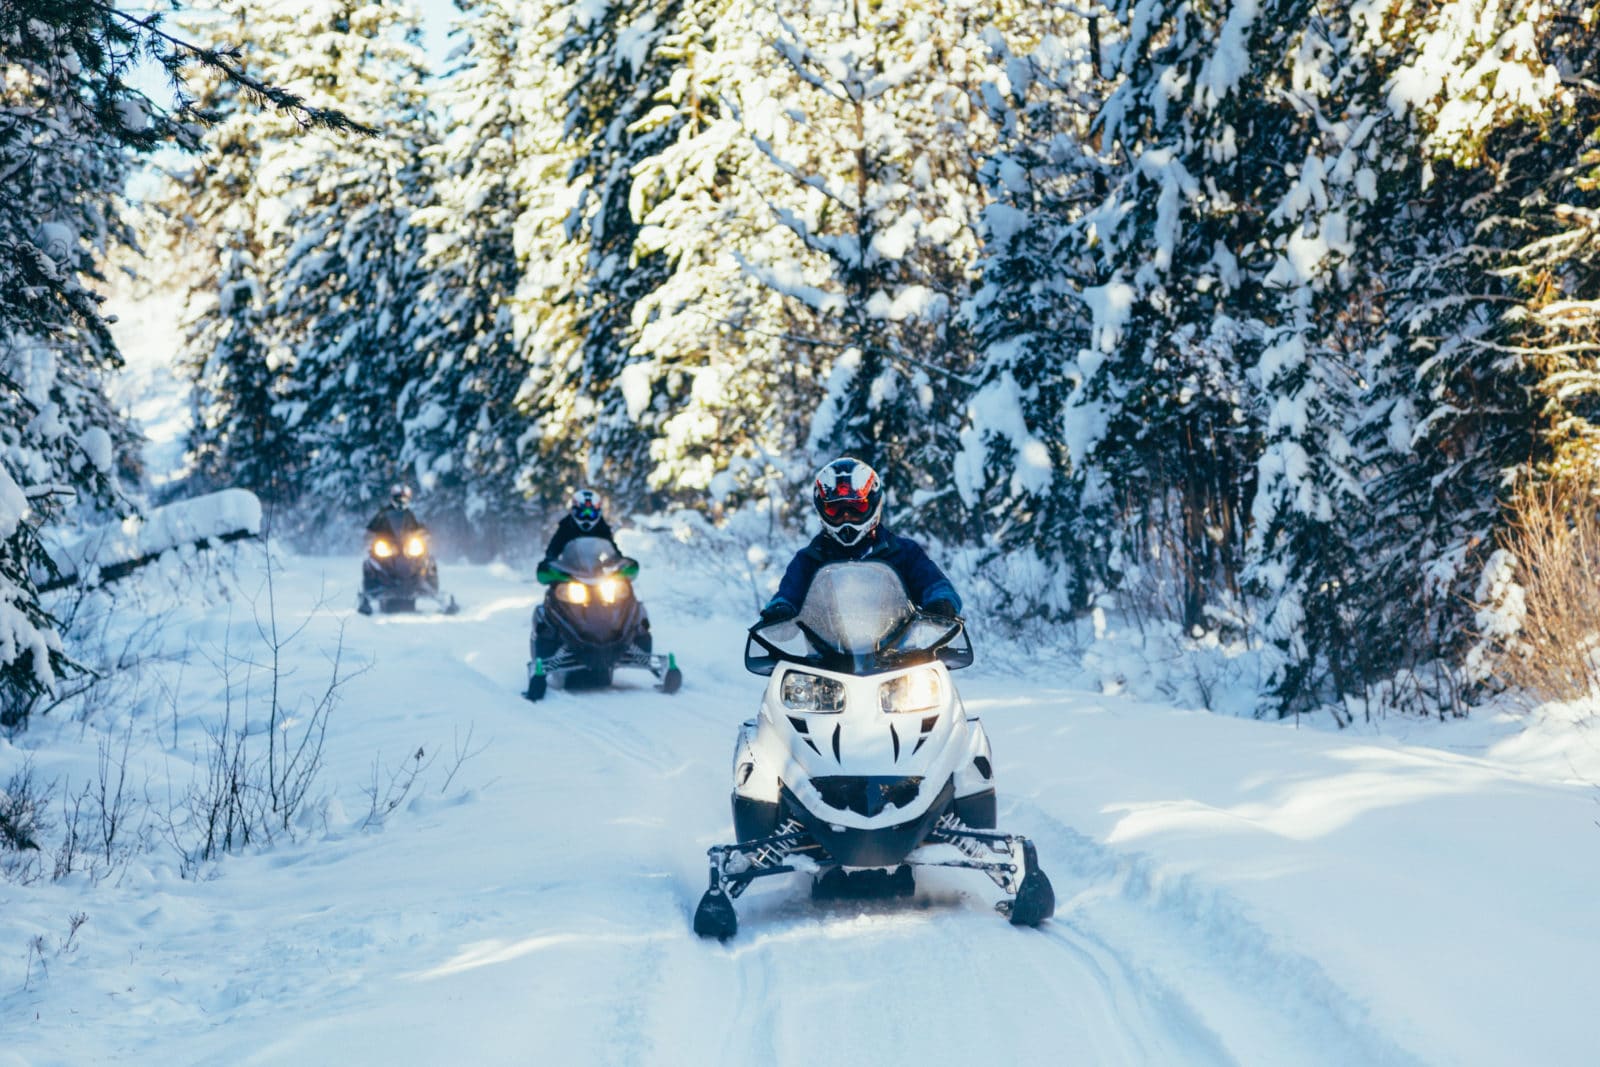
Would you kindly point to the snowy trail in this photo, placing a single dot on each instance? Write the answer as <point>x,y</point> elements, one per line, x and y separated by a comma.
<point>591,959</point>
<point>538,910</point>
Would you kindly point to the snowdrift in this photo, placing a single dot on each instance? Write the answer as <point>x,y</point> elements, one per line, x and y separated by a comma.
<point>106,553</point>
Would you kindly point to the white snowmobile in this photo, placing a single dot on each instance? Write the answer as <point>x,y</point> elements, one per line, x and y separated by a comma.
<point>863,762</point>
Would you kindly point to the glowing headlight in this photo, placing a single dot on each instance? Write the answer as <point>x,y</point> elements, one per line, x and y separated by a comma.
<point>919,691</point>
<point>573,592</point>
<point>416,546</point>
<point>612,588</point>
<point>382,548</point>
<point>808,692</point>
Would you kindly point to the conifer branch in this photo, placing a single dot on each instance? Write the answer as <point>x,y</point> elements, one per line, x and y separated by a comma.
<point>226,63</point>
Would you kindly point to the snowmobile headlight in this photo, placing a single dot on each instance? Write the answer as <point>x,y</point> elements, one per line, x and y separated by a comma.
<point>919,691</point>
<point>612,588</point>
<point>416,545</point>
<point>573,592</point>
<point>809,692</point>
<point>383,548</point>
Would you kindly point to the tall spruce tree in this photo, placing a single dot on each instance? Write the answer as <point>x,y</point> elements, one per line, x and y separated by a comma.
<point>1029,319</point>
<point>1476,138</point>
<point>347,296</point>
<point>611,74</point>
<point>712,381</point>
<point>877,140</point>
<point>461,423</point>
<point>233,253</point>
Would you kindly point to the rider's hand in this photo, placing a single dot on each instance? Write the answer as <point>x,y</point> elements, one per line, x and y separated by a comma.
<point>782,611</point>
<point>944,609</point>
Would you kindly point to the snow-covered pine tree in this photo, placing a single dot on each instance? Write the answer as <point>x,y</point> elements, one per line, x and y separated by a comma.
<point>711,379</point>
<point>1029,320</point>
<point>231,253</point>
<point>68,126</point>
<point>1202,130</point>
<point>461,423</point>
<point>1548,211</point>
<point>1485,144</point>
<point>611,72</point>
<point>1309,512</point>
<point>346,298</point>
<point>877,133</point>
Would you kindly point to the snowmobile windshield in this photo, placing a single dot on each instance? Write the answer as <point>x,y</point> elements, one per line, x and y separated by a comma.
<point>588,556</point>
<point>855,607</point>
<point>857,618</point>
<point>396,522</point>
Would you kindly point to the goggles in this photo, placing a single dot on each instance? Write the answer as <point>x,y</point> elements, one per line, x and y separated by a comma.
<point>845,507</point>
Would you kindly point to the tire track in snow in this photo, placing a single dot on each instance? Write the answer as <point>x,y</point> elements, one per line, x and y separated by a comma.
<point>1162,927</point>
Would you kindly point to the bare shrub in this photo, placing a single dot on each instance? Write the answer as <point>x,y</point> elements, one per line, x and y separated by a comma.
<point>1554,538</point>
<point>104,823</point>
<point>245,795</point>
<point>385,796</point>
<point>39,949</point>
<point>24,822</point>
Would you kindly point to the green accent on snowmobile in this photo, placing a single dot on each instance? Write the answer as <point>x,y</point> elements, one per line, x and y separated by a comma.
<point>538,668</point>
<point>672,662</point>
<point>550,574</point>
<point>629,570</point>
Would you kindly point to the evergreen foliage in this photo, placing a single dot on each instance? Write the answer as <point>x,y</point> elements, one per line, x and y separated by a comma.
<point>346,293</point>
<point>878,139</point>
<point>460,421</point>
<point>71,126</point>
<point>1248,314</point>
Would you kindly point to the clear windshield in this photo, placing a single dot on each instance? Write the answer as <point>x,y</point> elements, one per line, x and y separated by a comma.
<point>856,606</point>
<point>587,555</point>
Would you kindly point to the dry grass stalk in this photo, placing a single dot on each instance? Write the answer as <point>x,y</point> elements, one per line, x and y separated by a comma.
<point>1555,537</point>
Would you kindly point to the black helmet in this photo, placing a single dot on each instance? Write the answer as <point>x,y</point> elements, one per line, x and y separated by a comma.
<point>585,508</point>
<point>849,497</point>
<point>400,495</point>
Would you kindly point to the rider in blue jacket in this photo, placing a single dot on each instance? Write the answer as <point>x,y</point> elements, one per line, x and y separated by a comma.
<point>849,498</point>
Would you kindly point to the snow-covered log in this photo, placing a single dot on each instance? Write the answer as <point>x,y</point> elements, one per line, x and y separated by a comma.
<point>106,553</point>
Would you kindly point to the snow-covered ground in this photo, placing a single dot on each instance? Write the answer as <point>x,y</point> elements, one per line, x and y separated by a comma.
<point>1231,891</point>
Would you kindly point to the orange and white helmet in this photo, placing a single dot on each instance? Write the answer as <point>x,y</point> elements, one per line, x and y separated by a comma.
<point>849,497</point>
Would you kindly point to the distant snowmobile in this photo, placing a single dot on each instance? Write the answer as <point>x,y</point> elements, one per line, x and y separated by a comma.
<point>400,570</point>
<point>863,757</point>
<point>590,624</point>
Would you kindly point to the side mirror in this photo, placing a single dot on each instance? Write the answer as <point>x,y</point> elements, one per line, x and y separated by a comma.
<point>957,653</point>
<point>759,656</point>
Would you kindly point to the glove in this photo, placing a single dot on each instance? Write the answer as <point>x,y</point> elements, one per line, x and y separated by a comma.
<point>941,608</point>
<point>781,611</point>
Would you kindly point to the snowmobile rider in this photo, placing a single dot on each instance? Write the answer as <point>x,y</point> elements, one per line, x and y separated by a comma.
<point>395,517</point>
<point>584,520</point>
<point>849,497</point>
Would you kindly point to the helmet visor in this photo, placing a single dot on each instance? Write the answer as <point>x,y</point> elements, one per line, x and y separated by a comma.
<point>846,508</point>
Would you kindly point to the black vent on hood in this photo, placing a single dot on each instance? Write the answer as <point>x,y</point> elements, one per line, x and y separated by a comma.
<point>866,795</point>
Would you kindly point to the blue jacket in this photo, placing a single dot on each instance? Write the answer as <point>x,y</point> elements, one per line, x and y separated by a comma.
<point>923,579</point>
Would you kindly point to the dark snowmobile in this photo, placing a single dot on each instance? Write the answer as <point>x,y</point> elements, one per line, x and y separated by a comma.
<point>863,762</point>
<point>400,569</point>
<point>590,624</point>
